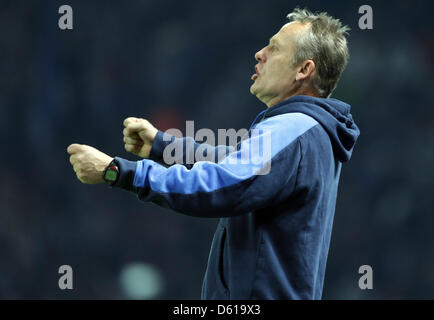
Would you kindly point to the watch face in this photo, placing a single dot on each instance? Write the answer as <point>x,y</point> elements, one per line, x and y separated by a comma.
<point>111,174</point>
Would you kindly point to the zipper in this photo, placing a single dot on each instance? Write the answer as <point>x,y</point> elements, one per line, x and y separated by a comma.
<point>254,121</point>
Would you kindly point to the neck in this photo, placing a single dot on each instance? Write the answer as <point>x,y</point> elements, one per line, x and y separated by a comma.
<point>302,91</point>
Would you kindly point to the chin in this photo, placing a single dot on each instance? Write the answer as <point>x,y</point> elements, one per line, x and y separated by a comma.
<point>253,90</point>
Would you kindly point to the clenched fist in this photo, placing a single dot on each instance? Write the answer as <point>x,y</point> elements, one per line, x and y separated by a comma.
<point>139,135</point>
<point>88,163</point>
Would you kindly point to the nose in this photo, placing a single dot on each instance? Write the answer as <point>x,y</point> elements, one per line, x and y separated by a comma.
<point>260,56</point>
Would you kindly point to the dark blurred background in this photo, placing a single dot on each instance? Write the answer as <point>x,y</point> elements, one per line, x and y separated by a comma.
<point>171,61</point>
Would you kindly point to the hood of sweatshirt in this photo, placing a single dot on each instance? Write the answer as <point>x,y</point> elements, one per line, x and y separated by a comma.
<point>332,114</point>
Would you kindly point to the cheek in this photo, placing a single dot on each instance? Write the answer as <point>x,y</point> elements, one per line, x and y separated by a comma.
<point>285,74</point>
<point>278,67</point>
<point>283,68</point>
<point>276,74</point>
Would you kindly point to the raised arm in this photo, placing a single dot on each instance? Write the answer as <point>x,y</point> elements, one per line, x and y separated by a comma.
<point>247,179</point>
<point>144,140</point>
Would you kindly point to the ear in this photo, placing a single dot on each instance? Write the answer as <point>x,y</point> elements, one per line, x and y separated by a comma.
<point>305,70</point>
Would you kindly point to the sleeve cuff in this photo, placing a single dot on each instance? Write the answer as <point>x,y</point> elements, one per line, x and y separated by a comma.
<point>127,171</point>
<point>158,146</point>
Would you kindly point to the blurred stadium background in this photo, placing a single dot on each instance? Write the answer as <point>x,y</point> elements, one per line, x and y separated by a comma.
<point>171,61</point>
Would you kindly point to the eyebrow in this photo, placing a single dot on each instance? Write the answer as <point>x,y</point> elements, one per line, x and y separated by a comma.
<point>274,40</point>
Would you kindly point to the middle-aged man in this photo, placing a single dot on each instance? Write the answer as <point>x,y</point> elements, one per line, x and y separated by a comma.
<point>273,237</point>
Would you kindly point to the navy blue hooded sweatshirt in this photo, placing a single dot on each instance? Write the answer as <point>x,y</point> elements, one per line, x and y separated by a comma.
<point>274,232</point>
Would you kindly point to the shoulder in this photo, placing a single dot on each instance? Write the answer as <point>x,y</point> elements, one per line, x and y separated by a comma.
<point>288,127</point>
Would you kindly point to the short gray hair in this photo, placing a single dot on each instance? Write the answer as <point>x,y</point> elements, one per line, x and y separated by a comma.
<point>324,43</point>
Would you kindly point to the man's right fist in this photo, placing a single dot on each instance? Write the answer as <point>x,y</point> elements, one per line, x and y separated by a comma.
<point>139,135</point>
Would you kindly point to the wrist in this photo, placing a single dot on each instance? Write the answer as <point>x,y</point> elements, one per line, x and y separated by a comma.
<point>127,171</point>
<point>152,133</point>
<point>111,172</point>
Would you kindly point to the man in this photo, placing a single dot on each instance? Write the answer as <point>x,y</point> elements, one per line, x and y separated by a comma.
<point>273,237</point>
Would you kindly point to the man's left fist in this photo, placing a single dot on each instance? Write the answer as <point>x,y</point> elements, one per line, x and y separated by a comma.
<point>88,163</point>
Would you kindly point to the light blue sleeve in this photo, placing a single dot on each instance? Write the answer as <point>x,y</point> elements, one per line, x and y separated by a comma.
<point>263,170</point>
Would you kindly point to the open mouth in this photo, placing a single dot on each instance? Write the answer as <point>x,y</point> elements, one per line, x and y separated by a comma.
<point>256,74</point>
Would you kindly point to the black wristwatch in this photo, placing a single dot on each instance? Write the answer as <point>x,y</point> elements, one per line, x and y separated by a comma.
<point>111,173</point>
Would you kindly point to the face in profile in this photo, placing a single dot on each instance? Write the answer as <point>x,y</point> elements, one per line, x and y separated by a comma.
<point>275,75</point>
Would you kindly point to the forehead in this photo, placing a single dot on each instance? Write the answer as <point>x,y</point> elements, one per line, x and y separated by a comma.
<point>289,30</point>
